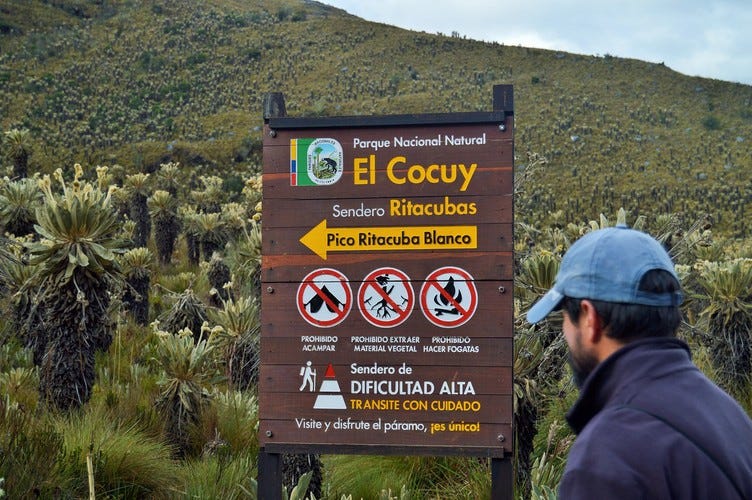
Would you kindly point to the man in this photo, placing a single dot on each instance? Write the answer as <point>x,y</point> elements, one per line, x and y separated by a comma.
<point>650,425</point>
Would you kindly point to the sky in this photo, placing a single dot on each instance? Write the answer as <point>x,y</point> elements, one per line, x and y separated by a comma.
<point>707,38</point>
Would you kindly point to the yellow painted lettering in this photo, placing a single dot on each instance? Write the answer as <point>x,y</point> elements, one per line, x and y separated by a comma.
<point>431,173</point>
<point>416,174</point>
<point>467,173</point>
<point>449,175</point>
<point>390,169</point>
<point>364,167</point>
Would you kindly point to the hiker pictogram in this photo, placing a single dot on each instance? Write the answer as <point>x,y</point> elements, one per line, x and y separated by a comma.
<point>309,377</point>
<point>324,298</point>
<point>386,297</point>
<point>330,396</point>
<point>448,297</point>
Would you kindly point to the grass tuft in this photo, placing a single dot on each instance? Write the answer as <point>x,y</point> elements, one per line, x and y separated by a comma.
<point>127,463</point>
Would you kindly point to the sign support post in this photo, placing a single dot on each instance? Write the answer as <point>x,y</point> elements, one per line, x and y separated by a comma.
<point>269,481</point>
<point>502,472</point>
<point>502,479</point>
<point>269,476</point>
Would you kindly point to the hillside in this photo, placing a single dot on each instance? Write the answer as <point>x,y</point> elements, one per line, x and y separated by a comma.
<point>140,83</point>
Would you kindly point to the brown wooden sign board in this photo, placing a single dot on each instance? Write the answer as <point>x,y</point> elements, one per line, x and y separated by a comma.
<point>387,278</point>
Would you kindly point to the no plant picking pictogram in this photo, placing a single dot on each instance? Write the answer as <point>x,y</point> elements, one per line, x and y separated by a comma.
<point>386,297</point>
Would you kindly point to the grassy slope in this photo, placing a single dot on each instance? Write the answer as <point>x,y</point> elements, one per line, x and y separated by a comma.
<point>139,83</point>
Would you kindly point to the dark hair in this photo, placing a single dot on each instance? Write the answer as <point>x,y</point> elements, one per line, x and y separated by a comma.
<point>628,322</point>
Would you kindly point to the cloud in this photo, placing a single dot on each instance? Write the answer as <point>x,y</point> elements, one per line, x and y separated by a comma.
<point>695,37</point>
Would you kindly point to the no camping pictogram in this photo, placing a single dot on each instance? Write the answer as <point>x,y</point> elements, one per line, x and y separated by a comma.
<point>448,297</point>
<point>386,297</point>
<point>324,298</point>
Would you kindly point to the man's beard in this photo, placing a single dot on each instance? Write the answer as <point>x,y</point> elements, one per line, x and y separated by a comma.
<point>582,366</point>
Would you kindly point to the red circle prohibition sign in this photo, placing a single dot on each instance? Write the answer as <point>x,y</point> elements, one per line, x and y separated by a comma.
<point>386,297</point>
<point>324,298</point>
<point>448,297</point>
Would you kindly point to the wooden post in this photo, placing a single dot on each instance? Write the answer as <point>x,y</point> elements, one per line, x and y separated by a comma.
<point>502,474</point>
<point>503,98</point>
<point>269,478</point>
<point>274,105</point>
<point>502,483</point>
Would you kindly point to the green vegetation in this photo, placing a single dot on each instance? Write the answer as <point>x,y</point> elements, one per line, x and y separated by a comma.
<point>130,294</point>
<point>141,85</point>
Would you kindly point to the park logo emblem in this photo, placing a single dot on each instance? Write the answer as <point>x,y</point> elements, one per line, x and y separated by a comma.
<point>315,162</point>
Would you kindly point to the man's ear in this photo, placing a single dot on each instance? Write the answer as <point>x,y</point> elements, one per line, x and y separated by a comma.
<point>590,322</point>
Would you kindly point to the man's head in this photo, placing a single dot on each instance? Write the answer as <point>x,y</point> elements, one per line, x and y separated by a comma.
<point>609,265</point>
<point>614,285</point>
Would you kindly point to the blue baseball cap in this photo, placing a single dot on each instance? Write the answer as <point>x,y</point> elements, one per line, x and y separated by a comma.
<point>608,265</point>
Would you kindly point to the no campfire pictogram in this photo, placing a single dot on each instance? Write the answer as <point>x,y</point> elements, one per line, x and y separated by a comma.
<point>324,298</point>
<point>386,297</point>
<point>448,297</point>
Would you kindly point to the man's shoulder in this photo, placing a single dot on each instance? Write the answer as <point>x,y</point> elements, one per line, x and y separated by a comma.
<point>623,436</point>
<point>625,449</point>
<point>605,459</point>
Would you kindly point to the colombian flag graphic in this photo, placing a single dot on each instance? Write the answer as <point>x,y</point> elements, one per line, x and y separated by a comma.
<point>299,162</point>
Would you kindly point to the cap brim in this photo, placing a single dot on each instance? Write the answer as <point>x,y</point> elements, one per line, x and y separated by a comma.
<point>544,306</point>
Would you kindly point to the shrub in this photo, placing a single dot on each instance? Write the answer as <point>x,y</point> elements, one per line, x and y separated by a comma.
<point>127,463</point>
<point>79,233</point>
<point>35,445</point>
<point>137,267</point>
<point>728,319</point>
<point>711,123</point>
<point>236,420</point>
<point>18,202</point>
<point>186,373</point>
<point>196,59</point>
<point>222,476</point>
<point>362,476</point>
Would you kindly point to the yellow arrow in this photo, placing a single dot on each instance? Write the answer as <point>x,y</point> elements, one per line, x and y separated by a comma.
<point>322,239</point>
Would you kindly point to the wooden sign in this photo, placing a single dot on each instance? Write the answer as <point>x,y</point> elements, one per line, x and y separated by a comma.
<point>387,283</point>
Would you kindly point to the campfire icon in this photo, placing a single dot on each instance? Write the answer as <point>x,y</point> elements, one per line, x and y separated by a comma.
<point>448,297</point>
<point>443,302</point>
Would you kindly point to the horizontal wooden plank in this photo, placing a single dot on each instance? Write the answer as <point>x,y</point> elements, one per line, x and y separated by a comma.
<point>275,325</point>
<point>484,408</point>
<point>496,266</point>
<point>432,451</point>
<point>490,238</point>
<point>392,211</point>
<point>375,165</point>
<point>493,315</point>
<point>440,138</point>
<point>441,350</point>
<point>486,323</point>
<point>496,180</point>
<point>372,121</point>
<point>487,436</point>
<point>396,450</point>
<point>480,380</point>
